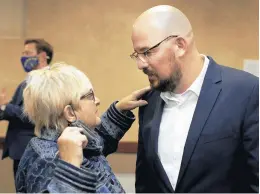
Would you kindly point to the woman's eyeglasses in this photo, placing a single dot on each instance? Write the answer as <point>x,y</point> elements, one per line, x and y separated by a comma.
<point>89,96</point>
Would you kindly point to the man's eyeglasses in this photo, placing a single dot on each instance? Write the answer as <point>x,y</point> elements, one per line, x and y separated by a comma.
<point>144,56</point>
<point>89,96</point>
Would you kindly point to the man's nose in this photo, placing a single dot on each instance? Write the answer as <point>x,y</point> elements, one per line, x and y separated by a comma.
<point>141,65</point>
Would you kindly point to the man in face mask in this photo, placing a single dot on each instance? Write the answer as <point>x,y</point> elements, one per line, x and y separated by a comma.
<point>37,54</point>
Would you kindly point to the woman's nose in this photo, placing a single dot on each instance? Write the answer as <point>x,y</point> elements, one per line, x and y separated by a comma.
<point>97,101</point>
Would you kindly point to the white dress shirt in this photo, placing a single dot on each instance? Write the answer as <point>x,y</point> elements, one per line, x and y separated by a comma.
<point>176,119</point>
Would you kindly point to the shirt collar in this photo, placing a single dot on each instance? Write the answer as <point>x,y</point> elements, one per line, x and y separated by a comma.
<point>49,134</point>
<point>195,86</point>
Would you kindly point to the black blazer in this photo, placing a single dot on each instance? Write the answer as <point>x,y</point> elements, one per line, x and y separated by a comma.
<point>221,153</point>
<point>20,130</point>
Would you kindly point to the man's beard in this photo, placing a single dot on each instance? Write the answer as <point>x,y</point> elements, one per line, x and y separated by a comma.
<point>166,85</point>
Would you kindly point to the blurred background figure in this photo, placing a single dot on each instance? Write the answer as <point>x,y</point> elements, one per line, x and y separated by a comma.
<point>37,54</point>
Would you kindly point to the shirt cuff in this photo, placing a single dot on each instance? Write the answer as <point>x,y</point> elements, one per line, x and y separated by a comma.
<point>122,120</point>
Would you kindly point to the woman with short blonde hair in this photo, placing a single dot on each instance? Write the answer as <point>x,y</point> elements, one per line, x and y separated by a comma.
<point>61,103</point>
<point>43,103</point>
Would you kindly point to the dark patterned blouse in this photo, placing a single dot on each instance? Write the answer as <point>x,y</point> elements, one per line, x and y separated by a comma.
<point>41,169</point>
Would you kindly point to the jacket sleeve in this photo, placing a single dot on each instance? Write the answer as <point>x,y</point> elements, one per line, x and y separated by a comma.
<point>251,139</point>
<point>70,179</point>
<point>52,175</point>
<point>114,125</point>
<point>14,110</point>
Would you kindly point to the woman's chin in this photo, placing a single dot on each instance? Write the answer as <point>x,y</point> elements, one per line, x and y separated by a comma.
<point>98,121</point>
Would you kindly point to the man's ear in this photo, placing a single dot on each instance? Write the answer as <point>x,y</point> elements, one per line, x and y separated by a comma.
<point>43,56</point>
<point>182,45</point>
<point>69,114</point>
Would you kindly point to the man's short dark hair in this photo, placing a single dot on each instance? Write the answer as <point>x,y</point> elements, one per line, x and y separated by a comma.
<point>42,46</point>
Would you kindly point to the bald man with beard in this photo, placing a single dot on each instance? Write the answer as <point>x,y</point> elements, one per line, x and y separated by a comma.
<point>200,129</point>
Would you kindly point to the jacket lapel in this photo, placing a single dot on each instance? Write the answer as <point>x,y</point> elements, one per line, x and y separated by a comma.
<point>209,93</point>
<point>155,126</point>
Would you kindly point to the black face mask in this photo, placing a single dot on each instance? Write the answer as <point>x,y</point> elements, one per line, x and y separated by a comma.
<point>95,142</point>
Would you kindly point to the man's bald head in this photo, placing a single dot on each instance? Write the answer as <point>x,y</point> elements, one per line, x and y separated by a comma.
<point>164,48</point>
<point>162,21</point>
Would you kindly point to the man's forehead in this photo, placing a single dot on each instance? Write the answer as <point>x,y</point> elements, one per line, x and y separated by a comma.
<point>30,46</point>
<point>144,38</point>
